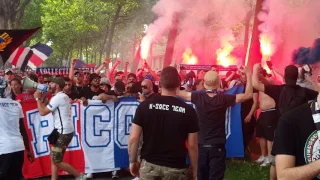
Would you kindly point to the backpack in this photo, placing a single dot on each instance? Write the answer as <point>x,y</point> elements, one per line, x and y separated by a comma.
<point>291,97</point>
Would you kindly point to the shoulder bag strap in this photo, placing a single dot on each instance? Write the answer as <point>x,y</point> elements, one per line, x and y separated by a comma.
<point>60,121</point>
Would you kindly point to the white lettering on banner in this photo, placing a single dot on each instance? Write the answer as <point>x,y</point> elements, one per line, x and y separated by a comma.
<point>124,113</point>
<point>42,126</point>
<point>97,126</point>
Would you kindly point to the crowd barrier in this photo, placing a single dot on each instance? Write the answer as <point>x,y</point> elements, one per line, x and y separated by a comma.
<point>101,136</point>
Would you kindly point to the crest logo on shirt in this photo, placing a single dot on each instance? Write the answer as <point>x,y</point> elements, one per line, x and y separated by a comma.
<point>312,149</point>
<point>5,40</point>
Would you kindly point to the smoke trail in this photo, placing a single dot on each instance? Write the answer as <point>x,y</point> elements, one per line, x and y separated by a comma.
<point>201,24</point>
<point>289,25</point>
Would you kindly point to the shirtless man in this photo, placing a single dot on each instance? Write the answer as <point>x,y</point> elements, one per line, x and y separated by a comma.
<point>266,124</point>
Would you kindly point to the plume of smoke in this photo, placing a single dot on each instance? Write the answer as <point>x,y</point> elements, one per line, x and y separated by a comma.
<point>207,25</point>
<point>165,10</point>
<point>290,24</point>
<point>201,24</point>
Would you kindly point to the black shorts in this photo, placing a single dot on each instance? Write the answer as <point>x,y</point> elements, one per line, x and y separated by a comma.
<point>11,166</point>
<point>266,124</point>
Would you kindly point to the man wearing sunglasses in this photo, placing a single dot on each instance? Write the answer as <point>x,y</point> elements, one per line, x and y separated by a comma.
<point>147,88</point>
<point>86,78</point>
<point>78,80</point>
<point>94,92</point>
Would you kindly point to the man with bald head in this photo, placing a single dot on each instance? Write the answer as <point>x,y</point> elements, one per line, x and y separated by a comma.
<point>147,88</point>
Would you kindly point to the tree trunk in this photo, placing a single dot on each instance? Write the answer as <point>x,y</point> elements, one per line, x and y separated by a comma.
<point>255,55</point>
<point>95,56</point>
<point>80,52</point>
<point>11,13</point>
<point>87,58</point>
<point>112,28</point>
<point>171,41</point>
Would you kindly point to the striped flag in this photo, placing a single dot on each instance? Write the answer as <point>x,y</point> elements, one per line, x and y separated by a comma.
<point>41,52</point>
<point>20,56</point>
<point>32,56</point>
<point>10,40</point>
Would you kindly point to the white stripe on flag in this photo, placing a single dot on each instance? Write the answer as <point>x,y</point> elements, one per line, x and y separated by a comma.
<point>12,56</point>
<point>22,57</point>
<point>31,65</point>
<point>39,54</point>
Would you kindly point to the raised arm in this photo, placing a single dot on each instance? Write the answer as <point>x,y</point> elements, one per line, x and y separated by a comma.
<point>255,78</point>
<point>112,71</point>
<point>71,72</point>
<point>248,91</point>
<point>286,169</point>
<point>184,95</point>
<point>126,72</point>
<point>154,74</point>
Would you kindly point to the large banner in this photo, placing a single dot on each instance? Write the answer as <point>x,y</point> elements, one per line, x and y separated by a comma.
<point>101,136</point>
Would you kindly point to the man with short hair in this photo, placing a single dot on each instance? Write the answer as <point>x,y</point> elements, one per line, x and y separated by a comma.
<point>166,123</point>
<point>211,109</point>
<point>94,90</point>
<point>132,78</point>
<point>147,88</point>
<point>13,138</point>
<point>78,85</point>
<point>68,88</point>
<point>61,110</point>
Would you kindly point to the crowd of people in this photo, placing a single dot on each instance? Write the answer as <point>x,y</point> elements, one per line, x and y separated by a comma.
<point>163,124</point>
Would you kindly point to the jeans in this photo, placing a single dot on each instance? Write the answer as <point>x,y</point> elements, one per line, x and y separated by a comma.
<point>211,163</point>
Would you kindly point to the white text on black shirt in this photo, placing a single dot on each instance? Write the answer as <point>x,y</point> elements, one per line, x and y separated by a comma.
<point>166,107</point>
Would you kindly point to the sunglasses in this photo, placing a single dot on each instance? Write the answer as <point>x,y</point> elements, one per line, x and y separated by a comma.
<point>96,79</point>
<point>86,73</point>
<point>144,87</point>
<point>9,73</point>
<point>78,75</point>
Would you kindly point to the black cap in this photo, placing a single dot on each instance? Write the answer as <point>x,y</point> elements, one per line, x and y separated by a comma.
<point>93,76</point>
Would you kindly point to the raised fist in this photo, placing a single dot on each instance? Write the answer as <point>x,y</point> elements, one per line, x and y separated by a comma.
<point>74,61</point>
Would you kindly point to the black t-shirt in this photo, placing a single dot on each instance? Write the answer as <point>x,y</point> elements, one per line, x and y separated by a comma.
<point>274,92</point>
<point>73,95</point>
<point>247,105</point>
<point>166,122</point>
<point>211,113</point>
<point>296,135</point>
<point>152,95</point>
<point>89,94</point>
<point>77,89</point>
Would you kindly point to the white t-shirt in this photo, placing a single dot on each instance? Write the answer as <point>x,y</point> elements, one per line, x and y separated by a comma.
<point>61,102</point>
<point>10,136</point>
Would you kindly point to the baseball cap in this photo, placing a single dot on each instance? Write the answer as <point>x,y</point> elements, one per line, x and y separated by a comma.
<point>8,70</point>
<point>211,80</point>
<point>93,76</point>
<point>104,81</point>
<point>59,81</point>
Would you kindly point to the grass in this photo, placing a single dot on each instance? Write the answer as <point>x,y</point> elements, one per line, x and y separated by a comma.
<point>244,170</point>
